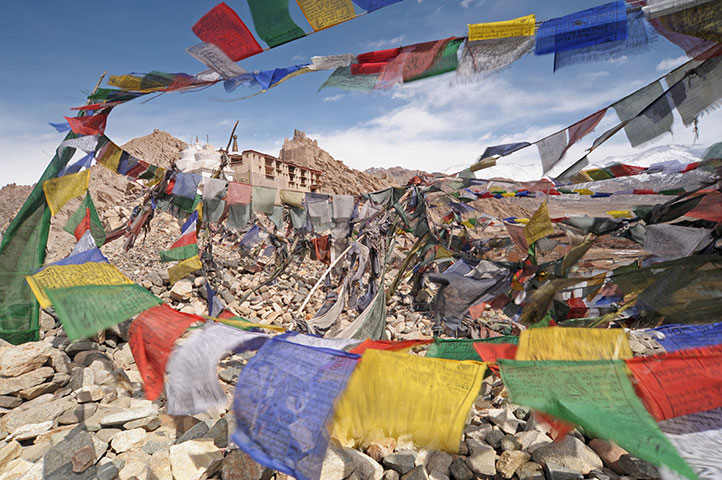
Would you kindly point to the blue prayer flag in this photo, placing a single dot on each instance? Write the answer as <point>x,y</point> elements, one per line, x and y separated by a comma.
<point>60,127</point>
<point>371,5</point>
<point>268,78</point>
<point>84,162</point>
<point>503,150</point>
<point>94,255</point>
<point>605,23</point>
<point>186,184</point>
<point>679,337</point>
<point>283,401</point>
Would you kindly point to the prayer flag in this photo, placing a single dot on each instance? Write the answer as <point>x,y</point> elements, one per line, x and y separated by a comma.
<point>327,13</point>
<point>215,59</point>
<point>679,337</point>
<point>598,396</point>
<point>503,150</point>
<point>60,127</point>
<point>289,435</point>
<point>89,124</point>
<point>641,128</point>
<point>187,245</point>
<point>183,268</point>
<point>273,22</point>
<point>263,199</point>
<point>84,162</point>
<point>487,56</point>
<point>697,438</point>
<point>600,24</point>
<point>388,345</point>
<point>238,193</point>
<point>63,276</point>
<point>552,149</point>
<point>492,352</point>
<point>558,343</point>
<point>344,78</point>
<point>222,27</point>
<point>108,154</point>
<point>213,203</point>
<point>59,190</point>
<point>399,394</point>
<point>88,309</point>
<point>539,226</point>
<point>151,337</point>
<point>92,255</point>
<point>519,27</point>
<point>186,184</point>
<point>462,348</point>
<point>372,5</point>
<point>679,383</point>
<point>75,223</point>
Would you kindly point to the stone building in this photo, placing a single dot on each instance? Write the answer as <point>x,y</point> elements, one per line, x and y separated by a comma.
<point>265,170</point>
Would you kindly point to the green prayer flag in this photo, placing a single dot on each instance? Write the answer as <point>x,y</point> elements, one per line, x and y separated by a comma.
<point>343,79</point>
<point>179,253</point>
<point>86,310</point>
<point>96,226</point>
<point>598,396</point>
<point>22,252</point>
<point>463,348</point>
<point>273,22</point>
<point>447,61</point>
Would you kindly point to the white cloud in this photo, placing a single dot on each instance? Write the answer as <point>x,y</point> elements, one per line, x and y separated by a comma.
<point>334,98</point>
<point>386,43</point>
<point>671,63</point>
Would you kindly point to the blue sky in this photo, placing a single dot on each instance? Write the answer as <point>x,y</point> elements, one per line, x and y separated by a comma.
<point>54,52</point>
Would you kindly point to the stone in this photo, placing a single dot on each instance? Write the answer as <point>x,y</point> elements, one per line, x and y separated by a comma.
<point>92,393</point>
<point>509,442</point>
<point>121,418</point>
<point>60,362</point>
<point>134,465</point>
<point>148,424</point>
<point>363,465</point>
<point>78,414</point>
<point>81,377</point>
<point>341,462</point>
<point>439,462</point>
<point>570,453</point>
<point>159,466</point>
<point>505,419</point>
<point>239,466</point>
<point>82,346</point>
<point>57,460</point>
<point>438,476</point>
<point>559,472</point>
<point>182,290</point>
<point>416,473</point>
<point>106,434</point>
<point>482,458</point>
<point>26,380</point>
<point>107,471</point>
<point>35,472</point>
<point>637,468</point>
<point>609,452</point>
<point>532,439</point>
<point>380,448</point>
<point>195,458</point>
<point>20,359</point>
<point>15,469</point>
<point>401,462</point>
<point>38,413</point>
<point>87,357</point>
<point>127,440</point>
<point>510,460</point>
<point>33,453</point>
<point>477,432</point>
<point>31,430</point>
<point>82,459</point>
<point>199,430</point>
<point>9,452</point>
<point>388,474</point>
<point>219,433</point>
<point>530,471</point>
<point>459,470</point>
<point>9,401</point>
<point>493,438</point>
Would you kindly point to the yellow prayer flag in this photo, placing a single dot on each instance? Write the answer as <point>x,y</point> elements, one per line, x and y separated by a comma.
<point>181,269</point>
<point>581,177</point>
<point>522,220</point>
<point>620,213</point>
<point>584,191</point>
<point>443,253</point>
<point>559,343</point>
<point>59,190</point>
<point>243,324</point>
<point>109,156</point>
<point>400,394</point>
<point>508,194</point>
<point>596,281</point>
<point>519,27</point>
<point>327,13</point>
<point>158,175</point>
<point>539,226</point>
<point>292,198</point>
<point>131,82</point>
<point>64,276</point>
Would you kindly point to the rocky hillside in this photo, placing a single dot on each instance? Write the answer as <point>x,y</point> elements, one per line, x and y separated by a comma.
<point>337,177</point>
<point>12,197</point>
<point>399,175</point>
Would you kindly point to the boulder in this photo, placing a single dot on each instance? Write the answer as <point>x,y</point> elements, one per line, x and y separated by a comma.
<point>127,440</point>
<point>570,453</point>
<point>609,452</point>
<point>510,460</point>
<point>20,359</point>
<point>239,466</point>
<point>25,381</point>
<point>159,466</point>
<point>401,462</point>
<point>195,458</point>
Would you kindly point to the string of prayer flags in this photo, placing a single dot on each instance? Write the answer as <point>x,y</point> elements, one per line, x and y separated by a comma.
<point>373,5</point>
<point>88,309</point>
<point>330,62</point>
<point>388,345</point>
<point>697,438</point>
<point>488,56</point>
<point>86,217</point>
<point>519,27</point>
<point>345,79</point>
<point>58,191</point>
<point>679,337</point>
<point>679,383</point>
<point>222,27</point>
<point>151,337</point>
<point>695,92</point>
<point>289,435</point>
<point>556,343</point>
<point>539,226</point>
<point>370,63</point>
<point>192,385</point>
<point>427,398</point>
<point>89,124</point>
<point>215,59</point>
<point>604,23</point>
<point>67,276</point>
<point>702,21</point>
<point>598,396</point>
<point>326,14</point>
<point>462,348</point>
<point>273,22</point>
<point>187,245</point>
<point>183,268</point>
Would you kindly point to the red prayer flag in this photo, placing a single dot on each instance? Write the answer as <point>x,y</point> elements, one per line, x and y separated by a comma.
<point>585,126</point>
<point>224,28</point>
<point>621,170</point>
<point>83,226</point>
<point>492,352</point>
<point>388,345</point>
<point>367,68</point>
<point>151,338</point>
<point>577,308</point>
<point>477,310</point>
<point>378,56</point>
<point>89,125</point>
<point>679,383</point>
<point>710,208</point>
